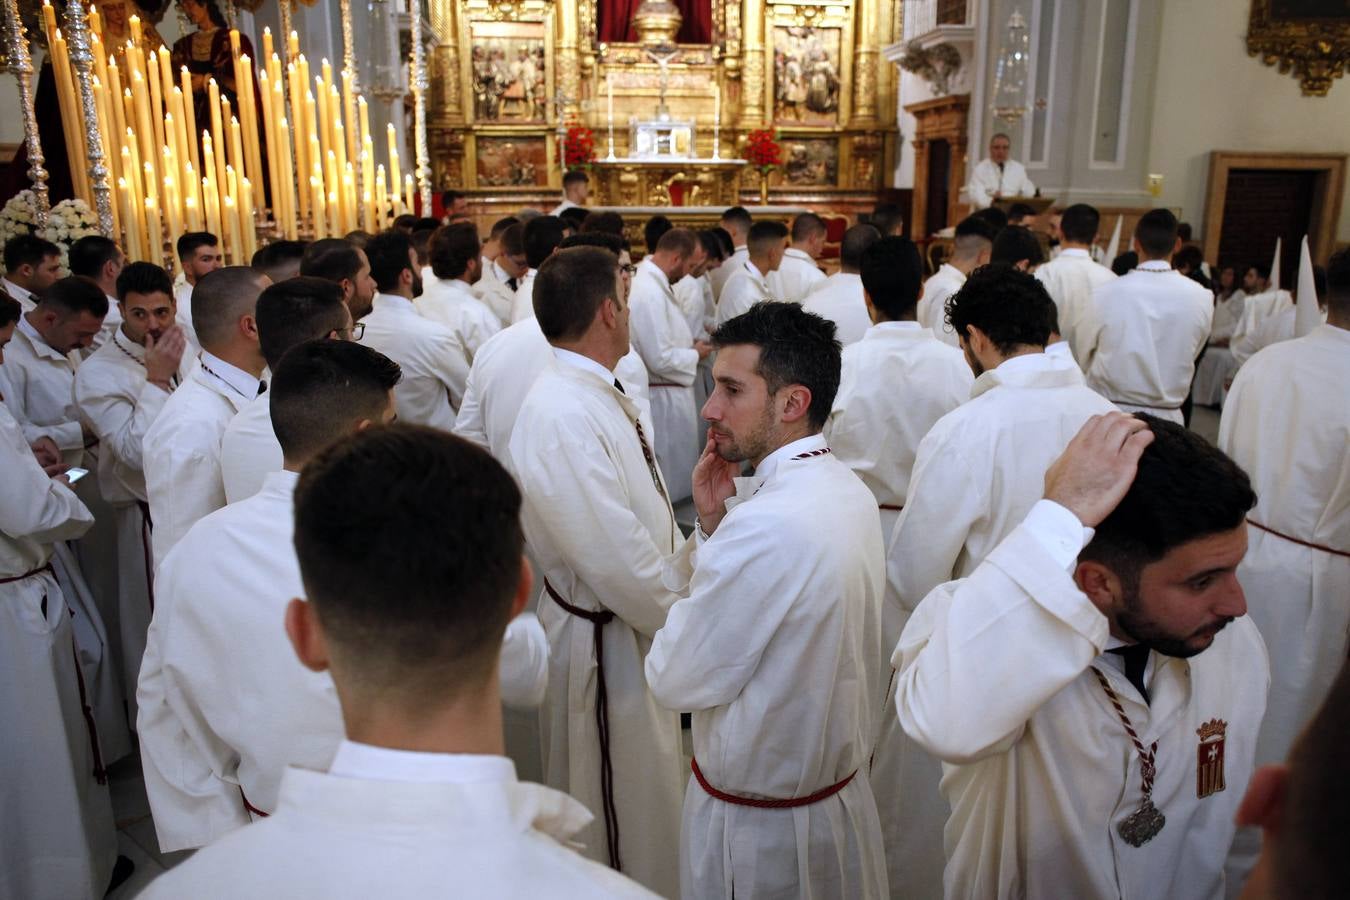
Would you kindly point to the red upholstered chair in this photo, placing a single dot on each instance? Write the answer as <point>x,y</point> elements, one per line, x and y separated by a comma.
<point>835,226</point>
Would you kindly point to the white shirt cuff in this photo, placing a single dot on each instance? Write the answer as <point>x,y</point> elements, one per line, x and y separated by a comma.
<point>1058,531</point>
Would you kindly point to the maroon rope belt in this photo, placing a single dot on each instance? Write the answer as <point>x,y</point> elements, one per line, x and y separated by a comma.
<point>38,571</point>
<point>1293,540</point>
<point>890,506</point>
<point>757,803</point>
<point>249,807</point>
<point>146,554</point>
<point>599,619</point>
<point>670,384</point>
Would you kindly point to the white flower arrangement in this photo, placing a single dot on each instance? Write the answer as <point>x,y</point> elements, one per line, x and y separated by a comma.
<point>67,222</point>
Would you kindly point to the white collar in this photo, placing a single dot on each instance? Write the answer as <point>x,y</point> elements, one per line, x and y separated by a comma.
<point>1028,362</point>
<point>903,325</point>
<point>372,763</point>
<point>770,463</point>
<point>501,273</point>
<point>40,345</point>
<point>1075,253</point>
<point>282,482</point>
<point>754,270</point>
<point>953,272</point>
<point>127,345</point>
<point>585,363</point>
<point>234,379</point>
<point>799,254</point>
<point>459,285</point>
<point>740,248</point>
<point>394,303</point>
<point>1154,265</point>
<point>18,293</point>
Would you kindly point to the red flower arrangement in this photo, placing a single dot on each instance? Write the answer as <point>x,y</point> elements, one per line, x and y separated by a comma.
<point>762,151</point>
<point>579,147</point>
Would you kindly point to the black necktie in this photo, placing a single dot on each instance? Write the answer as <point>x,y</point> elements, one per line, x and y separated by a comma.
<point>262,388</point>
<point>511,283</point>
<point>646,448</point>
<point>1136,661</point>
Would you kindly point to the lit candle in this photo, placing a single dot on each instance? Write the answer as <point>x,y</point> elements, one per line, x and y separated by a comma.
<point>190,120</point>
<point>292,46</point>
<point>246,214</point>
<point>289,222</point>
<point>381,198</point>
<point>156,85</point>
<point>217,134</point>
<point>132,235</point>
<point>248,122</point>
<point>267,44</point>
<point>395,178</point>
<point>136,35</point>
<point>349,113</point>
<point>234,247</point>
<point>320,207</point>
<point>349,190</point>
<point>156,231</point>
<point>408,194</point>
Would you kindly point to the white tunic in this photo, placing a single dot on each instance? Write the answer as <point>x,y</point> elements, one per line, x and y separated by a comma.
<point>1255,310</point>
<point>933,304</point>
<point>522,302</point>
<point>695,298</point>
<point>42,391</point>
<point>718,276</point>
<point>795,277</point>
<point>1287,423</point>
<point>388,823</point>
<point>451,302</point>
<point>496,293</point>
<point>601,530</point>
<point>661,337</point>
<point>1217,367</point>
<point>775,650</point>
<point>987,178</point>
<point>249,450</point>
<point>27,301</point>
<point>745,287</point>
<point>839,298</point>
<point>1071,278</point>
<point>434,362</point>
<point>182,449</point>
<point>57,838</point>
<point>182,295</point>
<point>1149,326</point>
<point>1036,764</point>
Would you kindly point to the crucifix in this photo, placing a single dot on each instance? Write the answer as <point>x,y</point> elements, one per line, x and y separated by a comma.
<point>560,101</point>
<point>662,57</point>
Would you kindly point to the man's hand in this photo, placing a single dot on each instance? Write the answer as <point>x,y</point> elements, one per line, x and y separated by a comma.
<point>46,451</point>
<point>713,484</point>
<point>703,348</point>
<point>1094,472</point>
<point>57,471</point>
<point>162,357</point>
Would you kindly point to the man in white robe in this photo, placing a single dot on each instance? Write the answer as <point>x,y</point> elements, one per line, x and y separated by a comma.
<point>289,313</point>
<point>839,298</point>
<point>1096,722</point>
<point>971,247</point>
<point>199,254</point>
<point>598,520</point>
<point>976,473</point>
<point>435,364</point>
<point>693,292</point>
<point>1148,327</point>
<point>418,796</point>
<point>541,237</point>
<point>1072,277</point>
<point>181,451</point>
<point>661,337</point>
<point>119,392</point>
<point>100,260</point>
<point>1287,423</point>
<point>736,222</point>
<point>447,296</point>
<point>32,264</point>
<point>749,284</point>
<point>497,287</point>
<point>59,838</point>
<point>491,250</point>
<point>1263,300</point>
<point>776,645</point>
<point>997,176</point>
<point>576,191</point>
<point>1217,367</point>
<point>798,273</point>
<point>346,265</point>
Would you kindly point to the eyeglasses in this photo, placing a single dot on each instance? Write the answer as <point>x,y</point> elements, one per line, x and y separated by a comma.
<point>628,269</point>
<point>355,333</point>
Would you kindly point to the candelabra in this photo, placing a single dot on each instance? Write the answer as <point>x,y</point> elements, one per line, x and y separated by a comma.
<point>419,85</point>
<point>82,57</point>
<point>1010,74</point>
<point>21,64</point>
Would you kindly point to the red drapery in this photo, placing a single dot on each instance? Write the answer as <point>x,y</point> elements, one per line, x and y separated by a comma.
<point>615,21</point>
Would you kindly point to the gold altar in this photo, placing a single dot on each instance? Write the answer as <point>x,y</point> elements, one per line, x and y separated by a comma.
<point>509,77</point>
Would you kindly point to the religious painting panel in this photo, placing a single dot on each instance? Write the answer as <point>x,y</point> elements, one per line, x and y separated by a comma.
<point>511,161</point>
<point>810,161</point>
<point>807,75</point>
<point>510,72</point>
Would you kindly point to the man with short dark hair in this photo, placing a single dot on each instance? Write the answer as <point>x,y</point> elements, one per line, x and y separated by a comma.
<point>32,264</point>
<point>209,767</point>
<point>434,362</point>
<point>456,205</point>
<point>1262,301</point>
<point>598,519</point>
<point>1095,716</point>
<point>182,447</point>
<point>896,383</point>
<point>492,247</point>
<point>199,253</point>
<point>1018,247</point>
<point>447,296</point>
<point>798,273</point>
<point>776,646</point>
<point>289,313</point>
<point>576,187</point>
<point>279,260</point>
<point>888,219</point>
<point>1148,327</point>
<point>972,245</point>
<point>340,261</point>
<point>100,260</point>
<point>541,237</point>
<point>508,270</point>
<point>736,222</point>
<point>1072,276</point>
<point>839,298</point>
<point>409,621</point>
<point>119,391</point>
<point>749,284</point>
<point>652,232</point>
<point>1021,214</point>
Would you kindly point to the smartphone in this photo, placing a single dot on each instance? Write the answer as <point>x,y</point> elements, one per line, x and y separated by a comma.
<point>75,473</point>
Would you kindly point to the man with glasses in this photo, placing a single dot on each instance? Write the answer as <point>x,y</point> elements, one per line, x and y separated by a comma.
<point>289,313</point>
<point>998,176</point>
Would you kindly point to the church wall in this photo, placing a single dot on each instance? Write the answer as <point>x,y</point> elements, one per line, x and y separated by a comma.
<point>1210,95</point>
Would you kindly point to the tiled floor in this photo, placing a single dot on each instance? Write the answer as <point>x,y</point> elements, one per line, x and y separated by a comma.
<point>135,832</point>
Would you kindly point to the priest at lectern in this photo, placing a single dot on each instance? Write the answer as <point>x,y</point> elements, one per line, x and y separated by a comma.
<point>998,177</point>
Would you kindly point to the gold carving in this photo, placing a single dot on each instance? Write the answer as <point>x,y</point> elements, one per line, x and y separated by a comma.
<point>806,75</point>
<point>1311,39</point>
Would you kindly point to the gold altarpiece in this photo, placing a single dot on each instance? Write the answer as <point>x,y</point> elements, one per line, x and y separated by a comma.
<point>508,77</point>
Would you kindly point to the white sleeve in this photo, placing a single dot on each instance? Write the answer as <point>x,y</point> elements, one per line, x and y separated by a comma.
<point>524,664</point>
<point>980,198</point>
<point>469,422</point>
<point>119,424</point>
<point>450,363</point>
<point>999,644</point>
<point>184,484</point>
<point>653,340</point>
<point>32,505</point>
<point>67,435</point>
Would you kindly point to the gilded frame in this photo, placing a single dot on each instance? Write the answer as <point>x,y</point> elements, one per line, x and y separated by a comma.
<point>1314,47</point>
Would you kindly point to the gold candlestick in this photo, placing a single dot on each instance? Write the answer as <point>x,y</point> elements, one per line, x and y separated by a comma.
<point>21,64</point>
<point>78,29</point>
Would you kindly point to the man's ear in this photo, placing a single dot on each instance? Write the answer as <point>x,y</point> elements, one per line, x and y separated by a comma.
<point>248,326</point>
<point>609,313</point>
<point>523,589</point>
<point>1102,586</point>
<point>306,634</point>
<point>797,402</point>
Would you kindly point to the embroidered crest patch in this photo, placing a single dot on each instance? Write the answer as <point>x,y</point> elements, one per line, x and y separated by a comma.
<point>1209,758</point>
